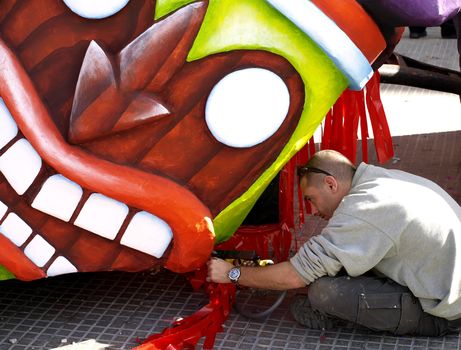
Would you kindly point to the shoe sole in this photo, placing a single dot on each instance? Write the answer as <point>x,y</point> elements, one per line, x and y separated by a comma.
<point>304,314</point>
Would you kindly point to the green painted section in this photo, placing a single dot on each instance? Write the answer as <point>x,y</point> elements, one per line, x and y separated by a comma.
<point>165,7</point>
<point>255,25</point>
<point>5,274</point>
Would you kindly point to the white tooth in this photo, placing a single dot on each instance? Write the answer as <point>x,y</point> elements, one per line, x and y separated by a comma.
<point>3,209</point>
<point>20,164</point>
<point>8,127</point>
<point>147,233</point>
<point>58,197</point>
<point>60,266</point>
<point>15,229</point>
<point>102,215</point>
<point>39,251</point>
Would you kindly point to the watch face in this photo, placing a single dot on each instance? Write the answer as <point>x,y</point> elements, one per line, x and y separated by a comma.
<point>234,274</point>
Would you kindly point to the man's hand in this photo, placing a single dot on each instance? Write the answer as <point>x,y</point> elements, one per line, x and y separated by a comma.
<point>218,270</point>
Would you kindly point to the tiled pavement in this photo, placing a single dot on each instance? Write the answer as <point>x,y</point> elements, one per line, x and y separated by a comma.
<point>111,310</point>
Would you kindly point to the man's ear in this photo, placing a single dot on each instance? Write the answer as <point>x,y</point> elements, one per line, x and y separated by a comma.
<point>332,184</point>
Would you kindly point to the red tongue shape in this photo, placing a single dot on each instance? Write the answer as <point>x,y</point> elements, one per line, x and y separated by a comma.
<point>116,93</point>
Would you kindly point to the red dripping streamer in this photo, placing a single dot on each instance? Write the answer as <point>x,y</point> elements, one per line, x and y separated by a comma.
<point>382,135</point>
<point>340,127</point>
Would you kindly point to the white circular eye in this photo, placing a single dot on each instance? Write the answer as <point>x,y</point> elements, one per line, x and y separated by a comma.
<point>95,9</point>
<point>246,107</point>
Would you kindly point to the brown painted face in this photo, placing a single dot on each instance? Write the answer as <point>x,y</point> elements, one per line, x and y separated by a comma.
<point>106,159</point>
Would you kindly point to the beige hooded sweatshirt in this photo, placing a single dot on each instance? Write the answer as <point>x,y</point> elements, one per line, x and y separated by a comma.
<point>401,225</point>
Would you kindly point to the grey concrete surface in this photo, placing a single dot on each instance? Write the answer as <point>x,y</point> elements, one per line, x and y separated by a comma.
<point>110,310</point>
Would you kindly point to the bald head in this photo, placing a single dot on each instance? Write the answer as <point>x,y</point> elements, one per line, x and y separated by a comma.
<point>331,162</point>
<point>325,180</point>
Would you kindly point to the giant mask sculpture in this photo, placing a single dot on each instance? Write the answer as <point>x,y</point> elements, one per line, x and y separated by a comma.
<point>139,134</point>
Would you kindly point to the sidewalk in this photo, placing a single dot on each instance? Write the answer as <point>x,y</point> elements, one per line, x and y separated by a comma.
<point>426,125</point>
<point>109,310</point>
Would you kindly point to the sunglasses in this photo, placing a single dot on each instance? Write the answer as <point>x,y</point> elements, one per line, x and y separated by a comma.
<point>303,170</point>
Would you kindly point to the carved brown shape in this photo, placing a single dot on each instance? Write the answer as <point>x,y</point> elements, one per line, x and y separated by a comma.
<point>135,109</point>
<point>51,42</point>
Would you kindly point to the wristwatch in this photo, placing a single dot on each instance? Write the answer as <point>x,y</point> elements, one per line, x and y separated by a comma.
<point>234,274</point>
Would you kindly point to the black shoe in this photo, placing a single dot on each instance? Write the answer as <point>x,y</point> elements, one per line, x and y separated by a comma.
<point>417,35</point>
<point>448,33</point>
<point>448,30</point>
<point>303,313</point>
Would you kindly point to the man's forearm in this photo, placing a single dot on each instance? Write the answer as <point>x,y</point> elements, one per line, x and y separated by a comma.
<point>280,276</point>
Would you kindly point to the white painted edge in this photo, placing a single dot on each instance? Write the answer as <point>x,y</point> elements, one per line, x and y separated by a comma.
<point>330,38</point>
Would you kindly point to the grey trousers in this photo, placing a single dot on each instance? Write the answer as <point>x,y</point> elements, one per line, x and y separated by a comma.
<point>376,303</point>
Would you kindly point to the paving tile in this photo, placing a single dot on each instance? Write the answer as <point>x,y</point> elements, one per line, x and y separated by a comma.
<point>115,308</point>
